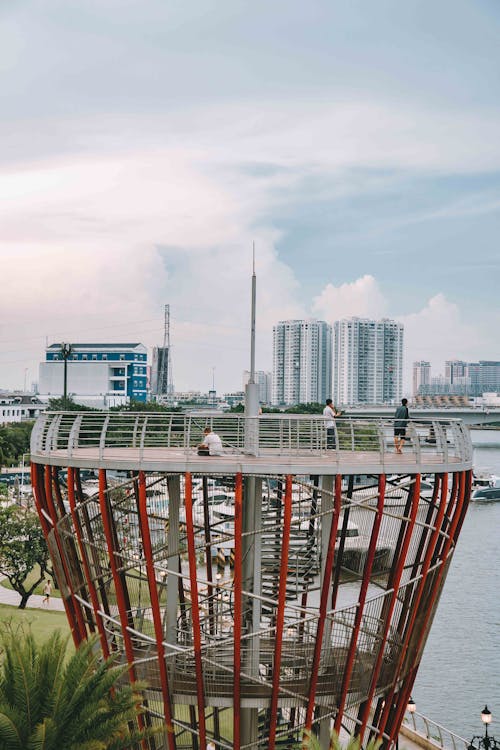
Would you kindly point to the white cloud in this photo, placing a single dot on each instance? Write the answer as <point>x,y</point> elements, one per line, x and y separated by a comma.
<point>82,235</point>
<point>437,333</point>
<point>361,298</point>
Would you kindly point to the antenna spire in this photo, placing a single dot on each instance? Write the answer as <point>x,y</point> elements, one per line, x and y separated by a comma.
<point>252,335</point>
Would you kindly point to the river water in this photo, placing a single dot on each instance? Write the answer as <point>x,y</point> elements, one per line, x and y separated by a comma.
<point>460,669</point>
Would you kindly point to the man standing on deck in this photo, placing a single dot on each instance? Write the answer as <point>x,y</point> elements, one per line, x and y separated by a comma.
<point>401,418</point>
<point>329,413</point>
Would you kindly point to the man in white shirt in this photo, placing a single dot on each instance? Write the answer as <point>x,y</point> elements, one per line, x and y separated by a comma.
<point>329,413</point>
<point>211,444</point>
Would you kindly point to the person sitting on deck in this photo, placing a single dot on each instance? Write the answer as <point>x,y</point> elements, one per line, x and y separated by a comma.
<point>211,445</point>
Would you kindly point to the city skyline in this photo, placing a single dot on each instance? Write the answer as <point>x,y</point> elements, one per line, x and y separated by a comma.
<point>358,146</point>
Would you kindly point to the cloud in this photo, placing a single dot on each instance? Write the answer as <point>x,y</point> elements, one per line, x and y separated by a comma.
<point>438,333</point>
<point>134,213</point>
<point>361,298</point>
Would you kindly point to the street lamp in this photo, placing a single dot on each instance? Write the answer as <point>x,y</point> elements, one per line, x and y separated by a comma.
<point>487,742</point>
<point>65,353</point>
<point>411,707</point>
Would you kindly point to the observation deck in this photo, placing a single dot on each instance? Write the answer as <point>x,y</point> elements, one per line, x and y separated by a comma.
<point>267,444</point>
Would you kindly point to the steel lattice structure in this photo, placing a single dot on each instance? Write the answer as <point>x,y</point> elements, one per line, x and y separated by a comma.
<point>277,588</point>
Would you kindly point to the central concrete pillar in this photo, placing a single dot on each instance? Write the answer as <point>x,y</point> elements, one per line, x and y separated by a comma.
<point>251,575</point>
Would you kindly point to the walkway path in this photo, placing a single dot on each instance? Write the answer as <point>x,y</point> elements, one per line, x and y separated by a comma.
<point>8,596</point>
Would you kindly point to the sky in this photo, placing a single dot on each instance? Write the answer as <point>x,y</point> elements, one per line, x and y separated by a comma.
<point>145,145</point>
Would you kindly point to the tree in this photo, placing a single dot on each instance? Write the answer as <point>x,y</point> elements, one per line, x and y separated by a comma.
<point>67,404</point>
<point>48,702</point>
<point>14,441</point>
<point>22,547</point>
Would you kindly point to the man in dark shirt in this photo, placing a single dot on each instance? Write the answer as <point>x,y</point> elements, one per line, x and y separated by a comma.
<point>401,418</point>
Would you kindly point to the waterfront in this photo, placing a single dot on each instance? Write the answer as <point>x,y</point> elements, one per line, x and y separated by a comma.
<point>460,669</point>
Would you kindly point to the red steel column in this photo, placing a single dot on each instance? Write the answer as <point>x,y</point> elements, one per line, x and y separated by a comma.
<point>237,587</point>
<point>361,601</point>
<point>416,602</point>
<point>39,493</point>
<point>325,589</point>
<point>83,552</point>
<point>454,530</point>
<point>388,615</point>
<point>195,609</point>
<point>280,616</point>
<point>155,607</point>
<point>72,607</point>
<point>120,595</point>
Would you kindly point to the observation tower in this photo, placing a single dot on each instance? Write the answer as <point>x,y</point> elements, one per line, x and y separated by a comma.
<point>282,586</point>
<point>277,587</point>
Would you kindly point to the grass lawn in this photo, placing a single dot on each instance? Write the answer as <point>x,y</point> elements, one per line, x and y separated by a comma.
<point>41,622</point>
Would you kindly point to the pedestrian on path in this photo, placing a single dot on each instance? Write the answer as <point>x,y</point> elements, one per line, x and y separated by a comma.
<point>47,590</point>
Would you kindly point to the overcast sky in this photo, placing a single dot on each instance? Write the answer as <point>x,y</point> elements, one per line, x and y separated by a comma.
<point>145,144</point>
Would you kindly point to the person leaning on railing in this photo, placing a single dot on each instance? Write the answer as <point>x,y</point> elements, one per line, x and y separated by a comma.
<point>329,413</point>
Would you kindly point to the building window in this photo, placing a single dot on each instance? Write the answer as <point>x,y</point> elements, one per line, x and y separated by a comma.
<point>94,356</point>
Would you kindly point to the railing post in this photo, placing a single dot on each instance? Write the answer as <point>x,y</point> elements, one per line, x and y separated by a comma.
<point>102,438</point>
<point>52,433</point>
<point>74,433</point>
<point>143,438</point>
<point>381,439</point>
<point>36,442</point>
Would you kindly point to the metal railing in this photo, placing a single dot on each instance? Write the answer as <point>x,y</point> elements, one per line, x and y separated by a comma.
<point>434,733</point>
<point>276,435</point>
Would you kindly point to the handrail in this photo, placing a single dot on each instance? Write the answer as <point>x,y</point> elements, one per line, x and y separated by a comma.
<point>434,733</point>
<point>270,434</point>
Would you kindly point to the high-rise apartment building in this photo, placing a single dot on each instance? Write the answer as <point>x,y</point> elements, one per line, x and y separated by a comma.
<point>421,375</point>
<point>264,381</point>
<point>455,370</point>
<point>367,361</point>
<point>302,362</point>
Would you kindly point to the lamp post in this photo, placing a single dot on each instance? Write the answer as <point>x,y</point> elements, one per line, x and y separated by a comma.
<point>65,353</point>
<point>411,707</point>
<point>487,742</point>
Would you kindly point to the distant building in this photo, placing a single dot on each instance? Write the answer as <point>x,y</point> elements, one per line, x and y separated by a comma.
<point>100,375</point>
<point>160,371</point>
<point>455,370</point>
<point>19,407</point>
<point>470,379</point>
<point>421,375</point>
<point>302,362</point>
<point>488,376</point>
<point>367,361</point>
<point>264,381</point>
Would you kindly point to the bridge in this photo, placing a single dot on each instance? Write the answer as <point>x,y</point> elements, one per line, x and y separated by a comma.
<point>473,417</point>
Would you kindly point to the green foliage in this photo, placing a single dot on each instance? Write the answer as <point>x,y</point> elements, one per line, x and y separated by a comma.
<point>311,742</point>
<point>312,408</point>
<point>67,404</point>
<point>22,546</point>
<point>14,441</point>
<point>48,702</point>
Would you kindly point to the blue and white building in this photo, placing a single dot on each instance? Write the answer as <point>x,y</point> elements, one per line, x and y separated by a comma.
<point>99,375</point>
